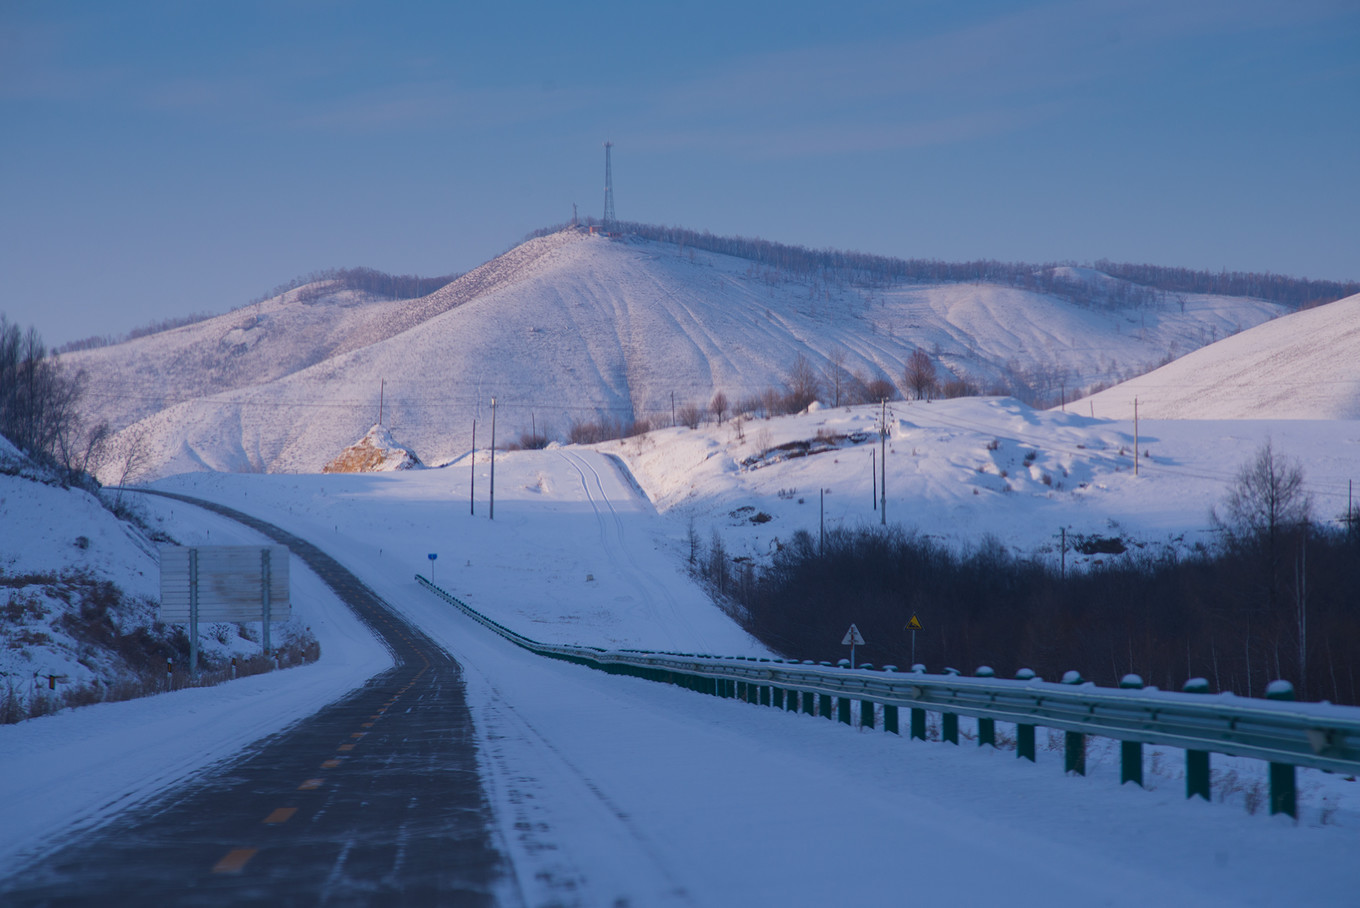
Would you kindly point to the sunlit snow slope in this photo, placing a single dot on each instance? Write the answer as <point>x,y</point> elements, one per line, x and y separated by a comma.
<point>1302,366</point>
<point>571,327</point>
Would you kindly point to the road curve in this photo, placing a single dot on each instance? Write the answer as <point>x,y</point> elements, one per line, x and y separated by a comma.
<point>376,799</point>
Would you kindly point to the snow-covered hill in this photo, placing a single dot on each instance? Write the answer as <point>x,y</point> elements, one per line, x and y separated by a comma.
<point>569,328</point>
<point>1303,366</point>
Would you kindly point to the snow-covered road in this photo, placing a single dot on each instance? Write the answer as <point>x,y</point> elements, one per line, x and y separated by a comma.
<point>613,790</point>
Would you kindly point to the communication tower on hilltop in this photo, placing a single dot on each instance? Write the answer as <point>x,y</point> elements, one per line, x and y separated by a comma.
<point>609,218</point>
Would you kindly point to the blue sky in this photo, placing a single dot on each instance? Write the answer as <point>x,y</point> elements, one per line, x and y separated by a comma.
<point>164,158</point>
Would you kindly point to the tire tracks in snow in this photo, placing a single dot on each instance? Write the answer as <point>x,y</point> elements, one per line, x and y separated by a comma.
<point>614,542</point>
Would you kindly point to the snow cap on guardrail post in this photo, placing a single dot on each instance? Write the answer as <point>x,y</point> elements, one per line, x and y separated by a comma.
<point>1074,742</point>
<point>986,727</point>
<point>1024,734</point>
<point>1196,761</point>
<point>1131,752</point>
<point>1283,776</point>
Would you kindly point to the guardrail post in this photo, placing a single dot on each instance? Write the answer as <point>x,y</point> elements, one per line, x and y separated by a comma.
<point>843,710</point>
<point>1196,761</point>
<point>1074,742</point>
<point>986,732</point>
<point>1074,753</point>
<point>986,727</point>
<point>1024,742</point>
<point>949,727</point>
<point>825,705</point>
<point>809,703</point>
<point>866,714</point>
<point>918,723</point>
<point>1283,776</point>
<point>1024,734</point>
<point>777,697</point>
<point>1131,752</point>
<point>766,695</point>
<point>890,719</point>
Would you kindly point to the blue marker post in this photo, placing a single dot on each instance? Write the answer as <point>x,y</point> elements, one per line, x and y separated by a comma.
<point>432,557</point>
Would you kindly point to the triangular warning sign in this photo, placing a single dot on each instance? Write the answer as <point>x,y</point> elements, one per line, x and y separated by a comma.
<point>853,637</point>
<point>913,624</point>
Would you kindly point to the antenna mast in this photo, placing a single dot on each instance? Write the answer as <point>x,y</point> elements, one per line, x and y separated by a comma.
<point>608,190</point>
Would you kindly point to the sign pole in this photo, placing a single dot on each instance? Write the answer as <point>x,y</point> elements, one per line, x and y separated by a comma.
<point>852,638</point>
<point>193,613</point>
<point>913,625</point>
<point>432,556</point>
<point>264,595</point>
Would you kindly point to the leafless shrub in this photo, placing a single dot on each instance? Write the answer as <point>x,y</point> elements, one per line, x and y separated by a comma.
<point>690,416</point>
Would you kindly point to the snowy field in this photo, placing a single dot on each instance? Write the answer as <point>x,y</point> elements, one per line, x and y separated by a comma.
<point>611,790</point>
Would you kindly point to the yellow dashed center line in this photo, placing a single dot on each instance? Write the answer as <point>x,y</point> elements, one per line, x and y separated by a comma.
<point>310,784</point>
<point>345,747</point>
<point>330,764</point>
<point>234,861</point>
<point>358,734</point>
<point>281,815</point>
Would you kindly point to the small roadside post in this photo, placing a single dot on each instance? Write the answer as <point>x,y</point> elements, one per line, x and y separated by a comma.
<point>913,625</point>
<point>852,639</point>
<point>432,556</point>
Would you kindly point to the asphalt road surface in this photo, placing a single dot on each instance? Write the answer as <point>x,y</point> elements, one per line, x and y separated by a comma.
<point>375,800</point>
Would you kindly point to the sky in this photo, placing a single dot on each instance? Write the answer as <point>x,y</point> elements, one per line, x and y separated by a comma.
<point>163,158</point>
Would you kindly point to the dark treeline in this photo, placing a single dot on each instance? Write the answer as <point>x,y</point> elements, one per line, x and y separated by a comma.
<point>1225,616</point>
<point>1144,284</point>
<point>378,283</point>
<point>324,283</point>
<point>1298,293</point>
<point>38,403</point>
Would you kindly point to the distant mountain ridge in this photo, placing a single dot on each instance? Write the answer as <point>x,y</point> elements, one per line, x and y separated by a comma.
<point>569,327</point>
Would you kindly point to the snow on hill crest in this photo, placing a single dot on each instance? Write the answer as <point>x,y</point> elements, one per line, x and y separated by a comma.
<point>569,327</point>
<point>1305,365</point>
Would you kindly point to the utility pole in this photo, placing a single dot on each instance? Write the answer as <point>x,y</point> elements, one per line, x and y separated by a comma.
<point>883,466</point>
<point>1301,593</point>
<point>1135,436</point>
<point>382,390</point>
<point>608,190</point>
<point>472,481</point>
<point>672,409</point>
<point>1063,573</point>
<point>493,458</point>
<point>873,475</point>
<point>821,522</point>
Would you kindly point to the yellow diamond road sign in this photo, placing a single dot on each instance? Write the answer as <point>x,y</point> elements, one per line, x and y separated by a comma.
<point>913,624</point>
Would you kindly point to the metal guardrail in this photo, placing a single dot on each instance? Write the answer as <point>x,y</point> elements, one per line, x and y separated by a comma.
<point>1283,733</point>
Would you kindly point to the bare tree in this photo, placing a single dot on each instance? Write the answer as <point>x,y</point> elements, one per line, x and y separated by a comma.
<point>920,375</point>
<point>836,374</point>
<point>802,385</point>
<point>880,388</point>
<point>38,397</point>
<point>1266,508</point>
<point>718,406</point>
<point>1267,497</point>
